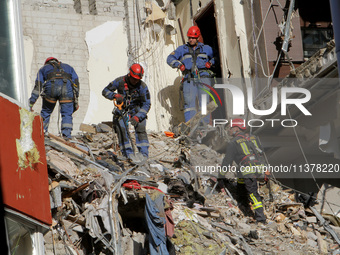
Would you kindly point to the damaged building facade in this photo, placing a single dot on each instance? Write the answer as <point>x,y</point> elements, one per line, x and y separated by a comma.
<point>267,44</point>
<point>247,36</point>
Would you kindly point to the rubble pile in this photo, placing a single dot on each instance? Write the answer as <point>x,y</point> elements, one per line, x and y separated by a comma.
<point>103,204</point>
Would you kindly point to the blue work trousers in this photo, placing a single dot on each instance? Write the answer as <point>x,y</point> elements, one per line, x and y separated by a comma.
<point>193,89</point>
<point>66,111</point>
<point>142,142</point>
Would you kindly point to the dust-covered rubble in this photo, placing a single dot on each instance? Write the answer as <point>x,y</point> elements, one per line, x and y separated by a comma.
<point>103,204</point>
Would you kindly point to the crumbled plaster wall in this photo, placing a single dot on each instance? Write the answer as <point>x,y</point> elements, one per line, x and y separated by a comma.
<point>106,62</point>
<point>150,44</point>
<point>163,81</point>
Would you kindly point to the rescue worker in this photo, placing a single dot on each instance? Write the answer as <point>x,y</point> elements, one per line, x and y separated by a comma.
<point>241,150</point>
<point>134,94</point>
<point>57,81</point>
<point>194,59</point>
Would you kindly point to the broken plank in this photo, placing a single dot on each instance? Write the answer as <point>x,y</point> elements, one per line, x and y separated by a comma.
<point>70,144</point>
<point>79,219</point>
<point>56,146</point>
<point>207,214</point>
<point>58,170</point>
<point>64,148</point>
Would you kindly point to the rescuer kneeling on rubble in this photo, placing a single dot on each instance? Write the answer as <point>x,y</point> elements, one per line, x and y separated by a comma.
<point>242,150</point>
<point>57,81</point>
<point>133,95</point>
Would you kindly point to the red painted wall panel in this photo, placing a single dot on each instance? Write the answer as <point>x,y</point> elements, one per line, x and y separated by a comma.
<point>24,190</point>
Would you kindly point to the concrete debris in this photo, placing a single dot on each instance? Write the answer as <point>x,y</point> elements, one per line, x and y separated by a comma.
<point>103,204</point>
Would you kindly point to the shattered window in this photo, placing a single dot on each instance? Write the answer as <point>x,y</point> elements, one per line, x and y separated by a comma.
<point>315,39</point>
<point>20,237</point>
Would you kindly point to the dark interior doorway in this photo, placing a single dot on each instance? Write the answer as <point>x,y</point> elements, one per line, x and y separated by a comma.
<point>207,24</point>
<point>206,21</point>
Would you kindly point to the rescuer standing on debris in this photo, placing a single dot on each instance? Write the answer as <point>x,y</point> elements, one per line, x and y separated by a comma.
<point>194,59</point>
<point>57,81</point>
<point>133,94</point>
<point>241,150</point>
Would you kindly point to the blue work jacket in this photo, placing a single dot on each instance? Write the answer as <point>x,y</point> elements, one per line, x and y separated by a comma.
<point>186,55</point>
<point>136,98</point>
<point>56,81</point>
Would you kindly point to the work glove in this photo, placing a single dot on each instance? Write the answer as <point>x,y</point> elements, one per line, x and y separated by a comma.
<point>208,65</point>
<point>266,176</point>
<point>75,105</point>
<point>134,121</point>
<point>31,106</point>
<point>181,67</point>
<point>119,98</point>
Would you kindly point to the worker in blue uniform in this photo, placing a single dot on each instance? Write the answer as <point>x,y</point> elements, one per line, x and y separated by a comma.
<point>194,59</point>
<point>133,93</point>
<point>57,81</point>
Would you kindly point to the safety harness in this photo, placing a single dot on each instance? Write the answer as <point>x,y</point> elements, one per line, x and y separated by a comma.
<point>250,163</point>
<point>130,96</point>
<point>195,73</point>
<point>59,73</point>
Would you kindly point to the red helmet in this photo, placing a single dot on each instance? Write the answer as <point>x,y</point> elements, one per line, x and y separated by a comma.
<point>50,58</point>
<point>194,32</point>
<point>240,123</point>
<point>136,71</point>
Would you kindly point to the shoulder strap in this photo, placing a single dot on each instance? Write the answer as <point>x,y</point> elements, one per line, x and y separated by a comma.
<point>58,72</point>
<point>123,86</point>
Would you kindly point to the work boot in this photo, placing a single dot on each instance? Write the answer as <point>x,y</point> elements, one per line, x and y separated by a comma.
<point>262,224</point>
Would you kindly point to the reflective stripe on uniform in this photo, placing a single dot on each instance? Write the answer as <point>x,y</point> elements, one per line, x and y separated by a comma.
<point>107,93</point>
<point>240,180</point>
<point>66,125</point>
<point>256,203</point>
<point>245,149</point>
<point>255,143</point>
<point>185,57</point>
<point>248,170</point>
<point>174,61</point>
<point>127,145</point>
<point>202,55</point>
<point>35,92</point>
<point>190,109</point>
<point>142,144</point>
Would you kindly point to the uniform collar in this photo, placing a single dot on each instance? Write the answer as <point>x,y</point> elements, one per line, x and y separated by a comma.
<point>130,86</point>
<point>199,45</point>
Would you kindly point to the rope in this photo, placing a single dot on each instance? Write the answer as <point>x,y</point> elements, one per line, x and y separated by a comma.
<point>265,157</point>
<point>264,20</point>
<point>58,121</point>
